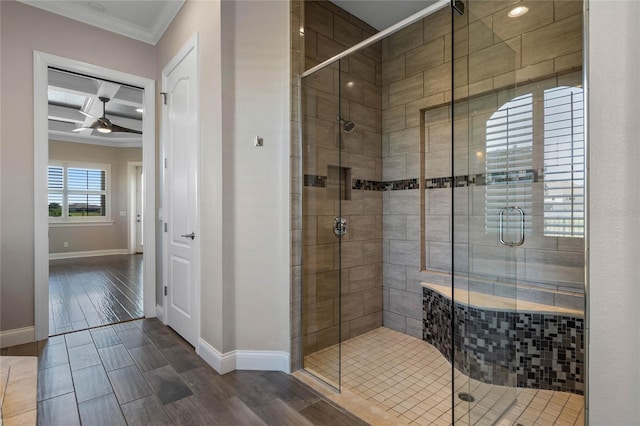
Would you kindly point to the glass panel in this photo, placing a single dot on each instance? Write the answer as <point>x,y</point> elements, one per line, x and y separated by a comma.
<point>86,179</point>
<point>323,189</point>
<point>55,204</point>
<point>492,187</point>
<point>87,205</point>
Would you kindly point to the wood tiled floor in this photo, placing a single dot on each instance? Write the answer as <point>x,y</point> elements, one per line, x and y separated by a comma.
<point>142,373</point>
<point>94,291</point>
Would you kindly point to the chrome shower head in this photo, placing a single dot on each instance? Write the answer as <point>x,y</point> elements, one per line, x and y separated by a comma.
<point>348,125</point>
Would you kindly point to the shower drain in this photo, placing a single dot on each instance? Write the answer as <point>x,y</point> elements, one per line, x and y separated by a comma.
<point>467,397</point>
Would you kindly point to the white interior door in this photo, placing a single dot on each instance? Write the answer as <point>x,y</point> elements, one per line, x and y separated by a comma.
<point>181,145</point>
<point>139,209</point>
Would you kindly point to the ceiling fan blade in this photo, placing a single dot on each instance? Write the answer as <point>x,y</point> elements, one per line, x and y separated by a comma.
<point>79,129</point>
<point>87,114</point>
<point>116,128</point>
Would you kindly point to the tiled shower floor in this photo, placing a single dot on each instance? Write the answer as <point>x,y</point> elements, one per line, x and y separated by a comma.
<point>410,381</point>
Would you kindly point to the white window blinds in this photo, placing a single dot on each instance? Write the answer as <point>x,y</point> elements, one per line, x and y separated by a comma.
<point>509,171</point>
<point>564,162</point>
<point>77,193</point>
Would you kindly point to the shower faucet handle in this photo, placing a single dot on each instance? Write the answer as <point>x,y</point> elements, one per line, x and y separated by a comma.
<point>340,226</point>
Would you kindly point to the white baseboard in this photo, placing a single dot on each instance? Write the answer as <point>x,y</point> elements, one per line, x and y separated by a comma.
<point>263,360</point>
<point>243,360</point>
<point>17,336</point>
<point>222,363</point>
<point>160,313</point>
<point>91,253</point>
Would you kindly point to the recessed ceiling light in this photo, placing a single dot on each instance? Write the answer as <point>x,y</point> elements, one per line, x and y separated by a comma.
<point>518,11</point>
<point>139,110</point>
<point>350,84</point>
<point>104,129</point>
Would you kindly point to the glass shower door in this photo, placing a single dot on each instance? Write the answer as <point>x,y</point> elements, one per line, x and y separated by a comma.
<point>491,168</point>
<point>324,186</point>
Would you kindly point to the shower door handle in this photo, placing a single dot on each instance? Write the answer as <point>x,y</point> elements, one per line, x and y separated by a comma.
<point>501,227</point>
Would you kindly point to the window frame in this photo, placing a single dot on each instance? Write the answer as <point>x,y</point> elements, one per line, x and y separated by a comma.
<point>65,218</point>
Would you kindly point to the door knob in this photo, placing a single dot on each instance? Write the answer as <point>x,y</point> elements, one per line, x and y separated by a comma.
<point>191,235</point>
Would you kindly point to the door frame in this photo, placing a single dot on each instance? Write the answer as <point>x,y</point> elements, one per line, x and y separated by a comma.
<point>191,44</point>
<point>41,62</point>
<point>132,237</point>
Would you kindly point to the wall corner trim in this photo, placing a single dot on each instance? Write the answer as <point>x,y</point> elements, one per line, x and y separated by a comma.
<point>222,363</point>
<point>160,313</point>
<point>17,336</point>
<point>243,360</point>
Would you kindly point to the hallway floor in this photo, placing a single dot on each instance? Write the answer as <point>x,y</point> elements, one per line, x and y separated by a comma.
<point>93,291</point>
<point>142,373</point>
<point>407,379</point>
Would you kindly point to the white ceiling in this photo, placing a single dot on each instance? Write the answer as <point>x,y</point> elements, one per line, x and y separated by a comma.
<point>381,14</point>
<point>144,20</point>
<point>70,93</point>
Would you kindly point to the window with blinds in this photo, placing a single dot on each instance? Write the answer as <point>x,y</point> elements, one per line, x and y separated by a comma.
<point>78,193</point>
<point>564,162</point>
<point>55,184</point>
<point>509,174</point>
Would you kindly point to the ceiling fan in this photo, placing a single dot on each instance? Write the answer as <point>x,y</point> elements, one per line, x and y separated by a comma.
<point>103,124</point>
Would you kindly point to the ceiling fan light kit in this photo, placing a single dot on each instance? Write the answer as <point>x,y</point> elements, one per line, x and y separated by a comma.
<point>103,124</point>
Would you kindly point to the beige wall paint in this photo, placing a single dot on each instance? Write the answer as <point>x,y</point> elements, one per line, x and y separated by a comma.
<point>613,290</point>
<point>256,102</point>
<point>88,238</point>
<point>204,17</point>
<point>243,66</point>
<point>25,29</point>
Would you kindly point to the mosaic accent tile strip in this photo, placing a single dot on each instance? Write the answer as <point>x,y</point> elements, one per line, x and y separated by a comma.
<point>367,185</point>
<point>540,351</point>
<point>481,179</point>
<point>399,185</point>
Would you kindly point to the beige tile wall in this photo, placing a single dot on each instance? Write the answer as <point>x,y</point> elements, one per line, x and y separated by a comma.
<point>393,84</point>
<point>354,305</point>
<point>492,52</point>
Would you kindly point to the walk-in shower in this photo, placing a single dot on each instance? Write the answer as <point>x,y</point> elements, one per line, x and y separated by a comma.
<point>456,292</point>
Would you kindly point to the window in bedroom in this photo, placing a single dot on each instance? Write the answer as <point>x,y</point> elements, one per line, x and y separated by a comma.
<point>78,192</point>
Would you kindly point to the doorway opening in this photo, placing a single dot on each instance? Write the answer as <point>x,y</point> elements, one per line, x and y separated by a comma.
<point>94,136</point>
